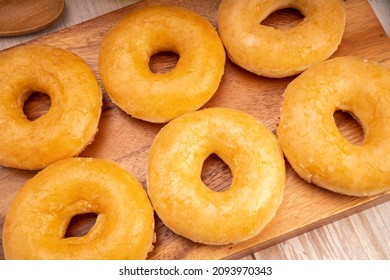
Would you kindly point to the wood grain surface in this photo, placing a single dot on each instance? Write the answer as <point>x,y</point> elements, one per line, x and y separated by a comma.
<point>126,140</point>
<point>32,16</point>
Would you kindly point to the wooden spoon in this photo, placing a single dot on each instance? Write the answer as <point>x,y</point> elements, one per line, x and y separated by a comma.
<point>18,17</point>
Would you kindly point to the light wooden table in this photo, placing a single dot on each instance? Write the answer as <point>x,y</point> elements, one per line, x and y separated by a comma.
<point>364,235</point>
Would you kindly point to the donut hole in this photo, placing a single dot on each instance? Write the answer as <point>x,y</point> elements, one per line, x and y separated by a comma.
<point>36,105</point>
<point>349,126</point>
<point>283,19</point>
<point>216,174</point>
<point>163,62</point>
<point>80,224</point>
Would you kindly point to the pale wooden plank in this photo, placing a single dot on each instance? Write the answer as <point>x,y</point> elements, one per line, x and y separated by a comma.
<point>364,235</point>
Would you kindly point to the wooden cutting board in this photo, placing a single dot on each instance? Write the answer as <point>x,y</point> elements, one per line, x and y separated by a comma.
<point>126,140</point>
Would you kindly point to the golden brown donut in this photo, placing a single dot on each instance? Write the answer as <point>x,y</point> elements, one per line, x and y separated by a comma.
<point>277,53</point>
<point>41,211</point>
<point>310,139</point>
<point>72,120</point>
<point>124,62</point>
<point>186,205</point>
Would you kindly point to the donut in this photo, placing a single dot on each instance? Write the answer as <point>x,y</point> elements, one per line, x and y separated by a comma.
<point>277,53</point>
<point>155,97</point>
<point>39,215</point>
<point>72,120</point>
<point>313,144</point>
<point>191,209</point>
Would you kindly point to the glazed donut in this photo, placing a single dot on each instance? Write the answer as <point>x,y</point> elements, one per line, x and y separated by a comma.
<point>191,209</point>
<point>41,211</point>
<point>310,139</point>
<point>277,53</point>
<point>124,63</point>
<point>72,120</point>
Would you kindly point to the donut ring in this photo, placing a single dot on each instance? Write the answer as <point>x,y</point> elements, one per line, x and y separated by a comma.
<point>186,205</point>
<point>310,139</point>
<point>41,211</point>
<point>276,53</point>
<point>124,63</point>
<point>72,120</point>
